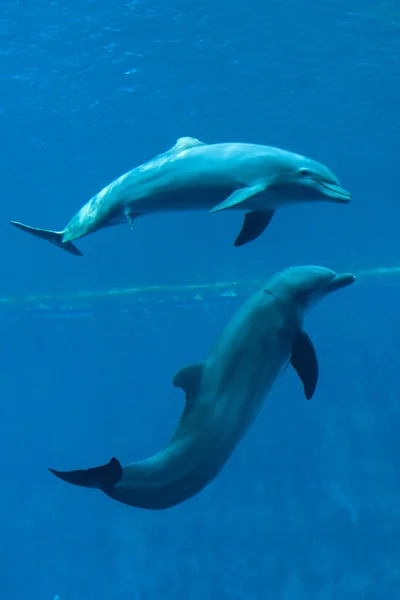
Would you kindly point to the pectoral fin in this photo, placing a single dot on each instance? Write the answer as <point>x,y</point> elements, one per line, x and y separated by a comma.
<point>304,361</point>
<point>255,222</point>
<point>239,196</point>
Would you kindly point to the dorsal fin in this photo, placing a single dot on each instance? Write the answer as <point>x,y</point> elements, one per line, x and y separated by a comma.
<point>188,378</point>
<point>184,143</point>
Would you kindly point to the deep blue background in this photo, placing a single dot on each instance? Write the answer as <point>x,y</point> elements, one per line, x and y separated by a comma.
<point>308,505</point>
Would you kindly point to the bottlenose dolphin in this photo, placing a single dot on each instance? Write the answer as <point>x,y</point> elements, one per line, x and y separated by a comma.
<point>196,176</point>
<point>224,394</point>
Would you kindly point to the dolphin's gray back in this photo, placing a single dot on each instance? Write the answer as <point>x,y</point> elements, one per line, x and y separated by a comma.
<point>226,166</point>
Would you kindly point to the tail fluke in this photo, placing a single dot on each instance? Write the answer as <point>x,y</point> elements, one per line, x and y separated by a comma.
<point>54,237</point>
<point>102,478</point>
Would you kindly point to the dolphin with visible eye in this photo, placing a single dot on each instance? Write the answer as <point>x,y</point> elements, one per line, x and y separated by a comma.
<point>225,393</point>
<point>205,177</point>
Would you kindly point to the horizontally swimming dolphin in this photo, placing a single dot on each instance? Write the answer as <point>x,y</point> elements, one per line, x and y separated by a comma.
<point>196,176</point>
<point>225,393</point>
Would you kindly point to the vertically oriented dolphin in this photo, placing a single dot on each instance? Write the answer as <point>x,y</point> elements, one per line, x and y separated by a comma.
<point>196,176</point>
<point>224,394</point>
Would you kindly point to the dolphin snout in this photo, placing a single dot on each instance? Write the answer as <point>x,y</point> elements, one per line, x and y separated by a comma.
<point>336,192</point>
<point>340,281</point>
<point>332,191</point>
<point>343,196</point>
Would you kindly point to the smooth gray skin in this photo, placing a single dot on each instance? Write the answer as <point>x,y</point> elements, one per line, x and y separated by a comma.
<point>225,393</point>
<point>195,176</point>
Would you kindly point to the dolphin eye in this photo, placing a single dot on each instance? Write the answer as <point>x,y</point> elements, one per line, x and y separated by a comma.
<point>305,172</point>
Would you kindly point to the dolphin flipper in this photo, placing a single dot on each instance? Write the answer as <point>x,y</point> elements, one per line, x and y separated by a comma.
<point>305,362</point>
<point>54,237</point>
<point>239,196</point>
<point>102,478</point>
<point>255,222</point>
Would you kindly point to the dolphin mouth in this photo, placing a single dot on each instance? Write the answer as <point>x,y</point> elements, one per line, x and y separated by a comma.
<point>336,192</point>
<point>340,281</point>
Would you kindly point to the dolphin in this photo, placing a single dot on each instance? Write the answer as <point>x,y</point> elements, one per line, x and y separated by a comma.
<point>193,175</point>
<point>225,393</point>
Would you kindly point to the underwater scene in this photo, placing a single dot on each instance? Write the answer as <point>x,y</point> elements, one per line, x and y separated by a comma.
<point>200,300</point>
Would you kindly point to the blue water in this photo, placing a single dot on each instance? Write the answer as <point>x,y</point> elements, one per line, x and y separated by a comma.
<point>308,506</point>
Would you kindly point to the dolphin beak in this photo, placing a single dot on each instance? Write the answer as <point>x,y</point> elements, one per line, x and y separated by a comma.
<point>335,192</point>
<point>340,281</point>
